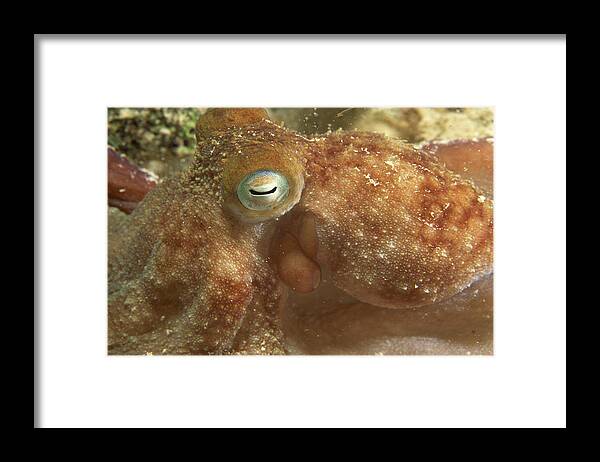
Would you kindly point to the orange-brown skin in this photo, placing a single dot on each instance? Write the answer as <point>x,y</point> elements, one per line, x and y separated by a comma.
<point>394,226</point>
<point>194,272</point>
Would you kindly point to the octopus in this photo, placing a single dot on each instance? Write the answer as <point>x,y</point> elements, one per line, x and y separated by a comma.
<point>272,242</point>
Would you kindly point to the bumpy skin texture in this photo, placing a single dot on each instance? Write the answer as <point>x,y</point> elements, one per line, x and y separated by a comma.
<point>191,271</point>
<point>396,228</point>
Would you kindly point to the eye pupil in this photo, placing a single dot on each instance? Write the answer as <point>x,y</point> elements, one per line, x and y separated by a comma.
<point>262,193</point>
<point>263,190</point>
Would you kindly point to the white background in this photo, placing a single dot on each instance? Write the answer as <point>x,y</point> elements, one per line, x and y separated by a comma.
<point>523,384</point>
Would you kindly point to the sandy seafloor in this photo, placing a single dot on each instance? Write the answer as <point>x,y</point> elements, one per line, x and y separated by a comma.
<point>162,140</point>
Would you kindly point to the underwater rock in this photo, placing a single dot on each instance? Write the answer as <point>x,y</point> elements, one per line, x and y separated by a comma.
<point>419,125</point>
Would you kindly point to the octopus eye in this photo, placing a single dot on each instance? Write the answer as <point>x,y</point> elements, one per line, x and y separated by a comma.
<point>262,190</point>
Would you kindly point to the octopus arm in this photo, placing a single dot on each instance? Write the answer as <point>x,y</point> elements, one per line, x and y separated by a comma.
<point>185,278</point>
<point>128,184</point>
<point>472,159</point>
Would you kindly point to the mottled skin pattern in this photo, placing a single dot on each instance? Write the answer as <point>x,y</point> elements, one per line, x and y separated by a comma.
<point>192,271</point>
<point>396,228</point>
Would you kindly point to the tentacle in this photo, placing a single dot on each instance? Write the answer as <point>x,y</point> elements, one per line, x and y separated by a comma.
<point>127,183</point>
<point>199,274</point>
<point>459,325</point>
<point>163,315</point>
<point>471,159</point>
